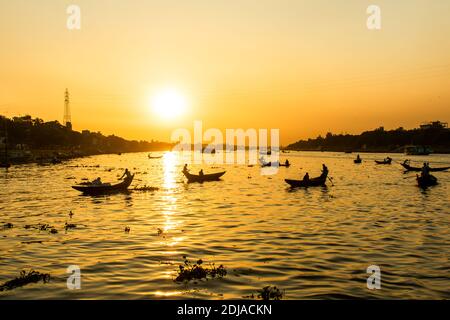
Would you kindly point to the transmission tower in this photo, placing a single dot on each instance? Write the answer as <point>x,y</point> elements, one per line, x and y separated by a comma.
<point>67,118</point>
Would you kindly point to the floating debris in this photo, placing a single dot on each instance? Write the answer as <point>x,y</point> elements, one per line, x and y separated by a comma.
<point>42,227</point>
<point>160,231</point>
<point>127,229</point>
<point>24,279</point>
<point>270,293</point>
<point>8,225</point>
<point>145,188</point>
<point>189,271</point>
<point>68,226</point>
<point>70,214</point>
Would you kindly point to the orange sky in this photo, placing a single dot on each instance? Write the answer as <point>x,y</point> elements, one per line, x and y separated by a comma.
<point>305,67</point>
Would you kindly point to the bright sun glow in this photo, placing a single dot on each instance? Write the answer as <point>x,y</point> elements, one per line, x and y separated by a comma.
<point>169,104</point>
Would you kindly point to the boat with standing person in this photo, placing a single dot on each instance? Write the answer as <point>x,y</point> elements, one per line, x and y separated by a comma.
<point>406,164</point>
<point>98,188</point>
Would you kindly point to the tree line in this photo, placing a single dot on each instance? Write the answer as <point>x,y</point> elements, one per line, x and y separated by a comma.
<point>378,140</point>
<point>34,133</point>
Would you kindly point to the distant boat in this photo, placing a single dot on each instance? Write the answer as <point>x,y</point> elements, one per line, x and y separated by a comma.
<point>418,169</point>
<point>314,182</point>
<point>418,150</point>
<point>426,182</point>
<point>385,161</point>
<point>203,178</point>
<point>151,157</point>
<point>105,188</point>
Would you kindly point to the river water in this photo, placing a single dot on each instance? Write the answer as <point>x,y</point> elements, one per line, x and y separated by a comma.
<point>312,244</point>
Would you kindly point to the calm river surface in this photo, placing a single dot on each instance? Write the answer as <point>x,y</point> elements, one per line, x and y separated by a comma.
<point>315,243</point>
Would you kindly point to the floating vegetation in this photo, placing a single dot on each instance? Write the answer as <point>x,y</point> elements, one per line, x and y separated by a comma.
<point>42,227</point>
<point>68,226</point>
<point>8,225</point>
<point>197,271</point>
<point>270,293</point>
<point>25,278</point>
<point>145,188</point>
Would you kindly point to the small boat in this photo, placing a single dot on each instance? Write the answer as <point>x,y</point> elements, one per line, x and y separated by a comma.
<point>314,182</point>
<point>417,169</point>
<point>269,164</point>
<point>426,182</point>
<point>203,178</point>
<point>385,161</point>
<point>157,157</point>
<point>104,188</point>
<point>357,161</point>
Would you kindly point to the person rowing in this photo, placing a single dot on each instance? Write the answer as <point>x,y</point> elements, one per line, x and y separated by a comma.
<point>127,175</point>
<point>324,169</point>
<point>185,168</point>
<point>286,163</point>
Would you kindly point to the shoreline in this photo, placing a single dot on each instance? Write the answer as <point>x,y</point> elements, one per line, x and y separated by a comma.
<point>49,157</point>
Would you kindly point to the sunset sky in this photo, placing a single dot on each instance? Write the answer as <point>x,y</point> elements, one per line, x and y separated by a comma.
<point>305,67</point>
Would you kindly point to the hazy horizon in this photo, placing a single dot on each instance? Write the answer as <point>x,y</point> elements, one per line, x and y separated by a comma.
<point>306,68</point>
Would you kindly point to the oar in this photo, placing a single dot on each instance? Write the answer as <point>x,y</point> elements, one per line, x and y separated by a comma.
<point>409,177</point>
<point>331,180</point>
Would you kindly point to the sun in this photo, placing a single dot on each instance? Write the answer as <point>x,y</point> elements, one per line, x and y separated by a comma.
<point>168,103</point>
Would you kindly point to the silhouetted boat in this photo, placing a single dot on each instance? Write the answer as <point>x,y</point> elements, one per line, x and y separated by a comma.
<point>91,189</point>
<point>385,161</point>
<point>426,182</point>
<point>157,157</point>
<point>417,169</point>
<point>357,161</point>
<point>204,177</point>
<point>314,182</point>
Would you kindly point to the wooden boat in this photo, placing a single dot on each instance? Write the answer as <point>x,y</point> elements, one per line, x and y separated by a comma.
<point>91,189</point>
<point>157,157</point>
<point>417,169</point>
<point>314,182</point>
<point>430,181</point>
<point>203,178</point>
<point>385,161</point>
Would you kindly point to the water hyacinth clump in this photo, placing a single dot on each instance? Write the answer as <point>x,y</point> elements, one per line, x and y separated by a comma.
<point>25,278</point>
<point>270,293</point>
<point>197,271</point>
